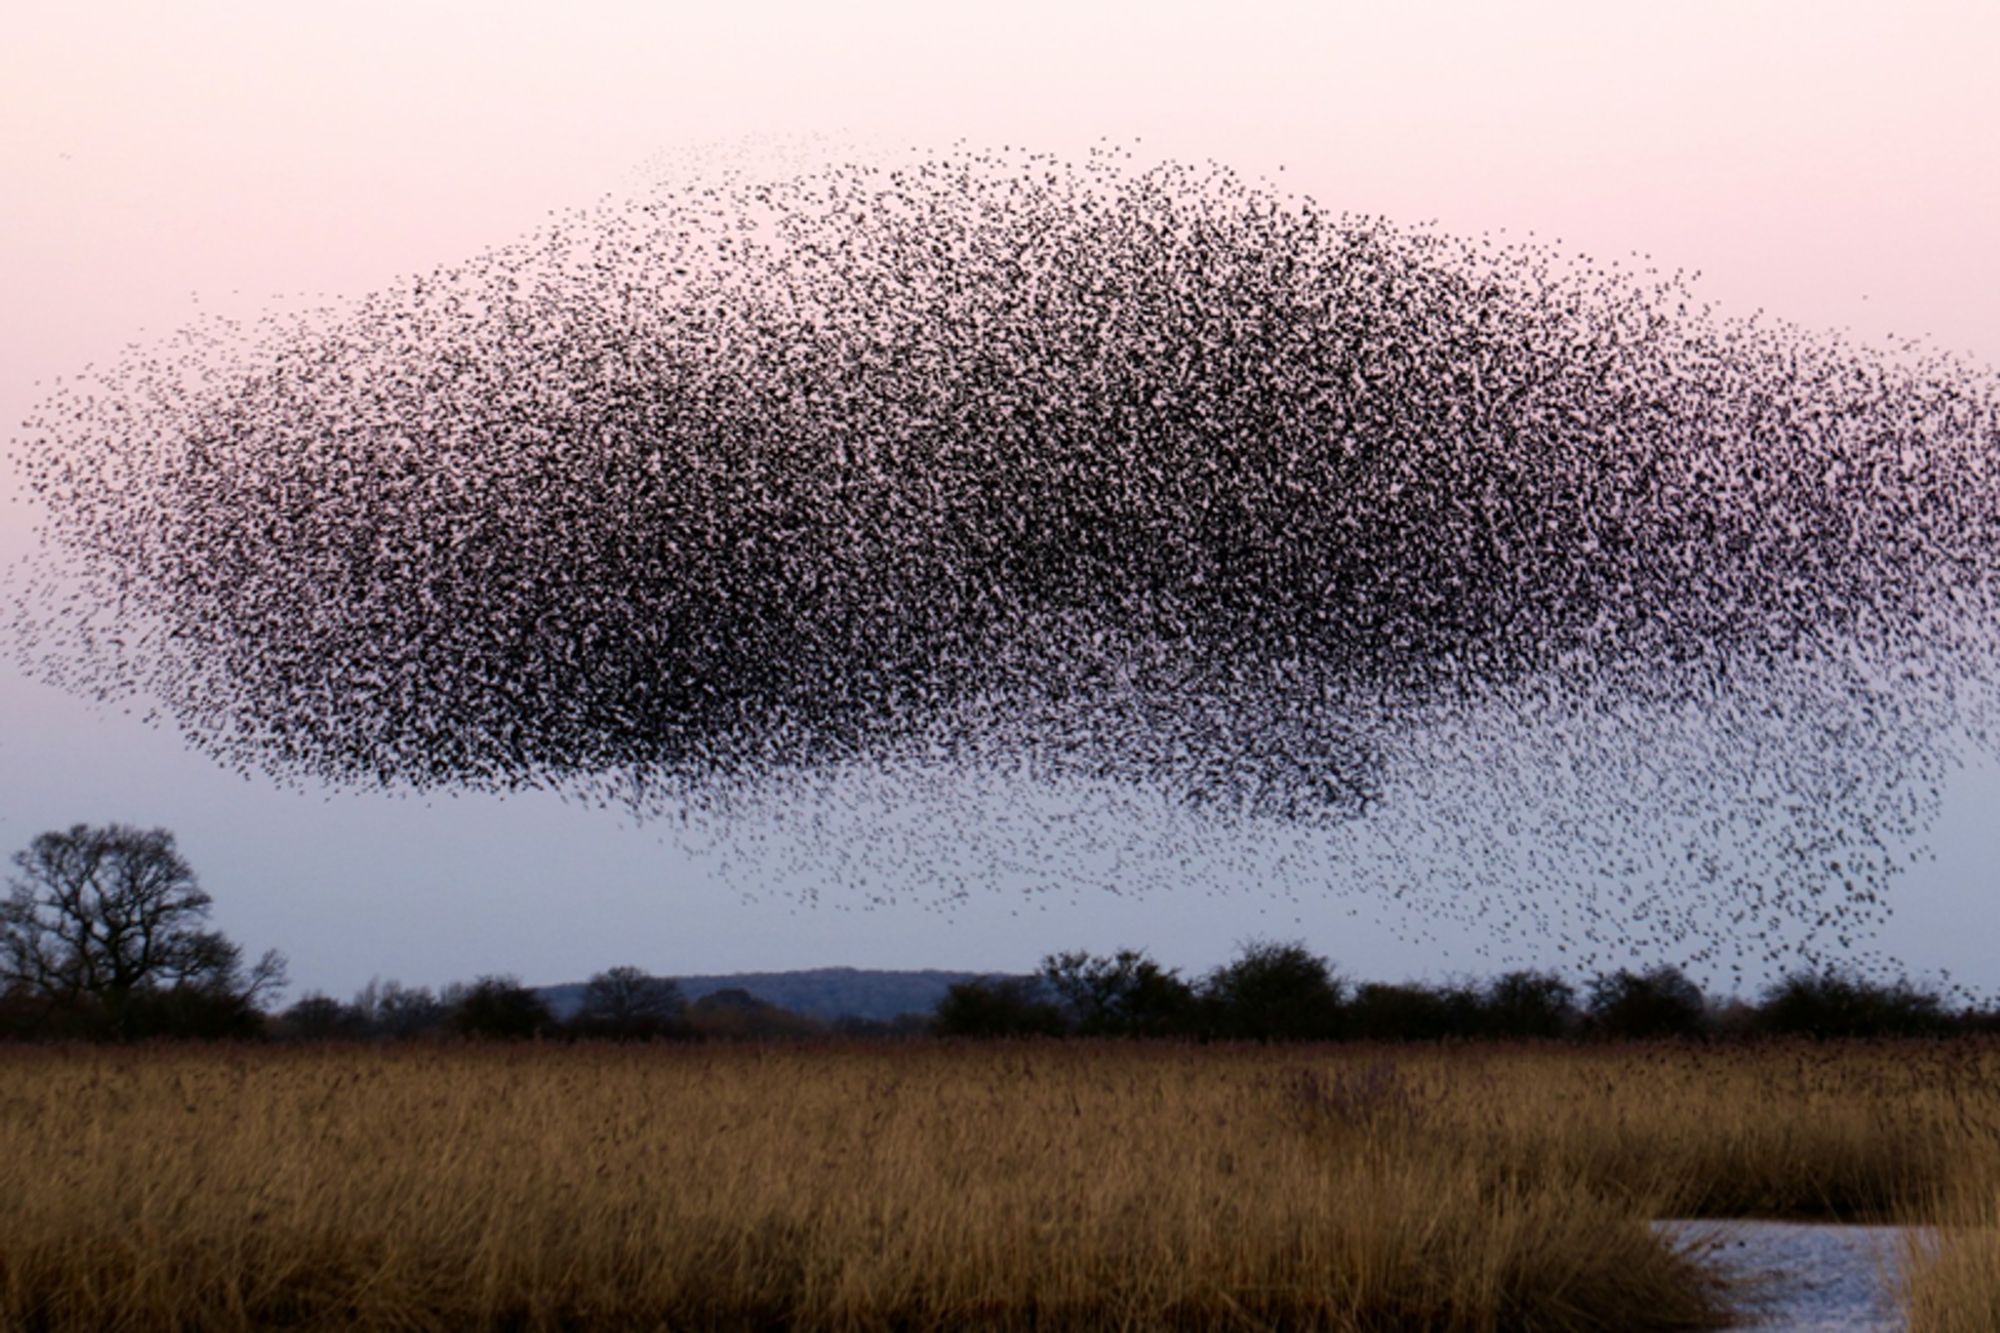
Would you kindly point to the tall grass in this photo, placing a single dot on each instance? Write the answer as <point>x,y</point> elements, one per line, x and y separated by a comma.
<point>1052,1185</point>
<point>1951,1274</point>
<point>1846,1131</point>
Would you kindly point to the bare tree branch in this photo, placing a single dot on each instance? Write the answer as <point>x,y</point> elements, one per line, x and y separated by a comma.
<point>98,916</point>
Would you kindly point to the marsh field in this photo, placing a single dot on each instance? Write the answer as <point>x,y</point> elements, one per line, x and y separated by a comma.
<point>941,1186</point>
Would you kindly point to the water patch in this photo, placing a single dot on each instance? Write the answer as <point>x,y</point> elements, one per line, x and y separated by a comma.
<point>1802,1276</point>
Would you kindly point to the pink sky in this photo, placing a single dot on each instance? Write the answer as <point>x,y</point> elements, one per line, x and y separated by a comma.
<point>1835,163</point>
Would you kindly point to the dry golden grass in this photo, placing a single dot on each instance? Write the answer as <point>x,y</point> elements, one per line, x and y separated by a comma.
<point>1854,1131</point>
<point>1951,1274</point>
<point>929,1186</point>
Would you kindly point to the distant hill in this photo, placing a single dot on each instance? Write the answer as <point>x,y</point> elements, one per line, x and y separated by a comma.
<point>820,992</point>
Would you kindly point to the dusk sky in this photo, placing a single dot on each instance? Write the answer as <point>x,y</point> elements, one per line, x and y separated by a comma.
<point>1835,164</point>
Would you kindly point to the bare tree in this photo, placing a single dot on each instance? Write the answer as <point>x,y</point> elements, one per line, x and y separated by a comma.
<point>102,920</point>
<point>627,1002</point>
<point>391,1009</point>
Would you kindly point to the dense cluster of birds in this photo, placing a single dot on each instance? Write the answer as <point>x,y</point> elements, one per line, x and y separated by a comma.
<point>1465,568</point>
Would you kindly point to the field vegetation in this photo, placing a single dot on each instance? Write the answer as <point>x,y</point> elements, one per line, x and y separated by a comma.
<point>1044,1184</point>
<point>1951,1274</point>
<point>1103,1144</point>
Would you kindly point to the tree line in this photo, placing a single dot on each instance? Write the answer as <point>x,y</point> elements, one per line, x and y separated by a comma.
<point>104,935</point>
<point>1277,991</point>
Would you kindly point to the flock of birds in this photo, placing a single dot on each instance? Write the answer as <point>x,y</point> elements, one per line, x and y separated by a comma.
<point>997,515</point>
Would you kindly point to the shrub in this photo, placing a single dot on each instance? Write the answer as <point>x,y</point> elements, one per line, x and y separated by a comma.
<point>998,1007</point>
<point>1831,1003</point>
<point>1660,1002</point>
<point>1124,995</point>
<point>734,1014</point>
<point>318,1017</point>
<point>500,1007</point>
<point>201,1012</point>
<point>1381,1012</point>
<point>1530,1004</point>
<point>1274,992</point>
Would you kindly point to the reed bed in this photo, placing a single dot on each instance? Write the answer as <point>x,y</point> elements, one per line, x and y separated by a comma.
<point>1950,1273</point>
<point>1054,1185</point>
